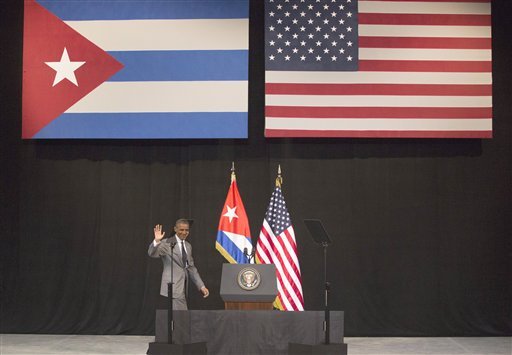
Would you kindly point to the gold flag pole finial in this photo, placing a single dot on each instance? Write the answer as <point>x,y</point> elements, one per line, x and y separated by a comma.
<point>233,175</point>
<point>279,179</point>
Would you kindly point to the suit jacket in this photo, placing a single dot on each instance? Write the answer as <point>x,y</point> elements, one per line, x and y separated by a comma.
<point>181,274</point>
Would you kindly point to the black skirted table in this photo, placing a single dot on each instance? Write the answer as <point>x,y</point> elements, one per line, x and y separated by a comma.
<point>248,332</point>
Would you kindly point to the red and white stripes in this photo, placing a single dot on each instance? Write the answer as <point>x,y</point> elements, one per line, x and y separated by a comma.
<point>425,70</point>
<point>281,251</point>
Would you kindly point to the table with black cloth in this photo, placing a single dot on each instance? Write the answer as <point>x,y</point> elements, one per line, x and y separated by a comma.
<point>248,332</point>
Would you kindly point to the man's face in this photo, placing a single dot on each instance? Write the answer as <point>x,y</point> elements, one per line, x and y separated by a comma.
<point>181,230</point>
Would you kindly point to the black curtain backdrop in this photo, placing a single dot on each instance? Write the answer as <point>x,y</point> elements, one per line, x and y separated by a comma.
<point>421,228</point>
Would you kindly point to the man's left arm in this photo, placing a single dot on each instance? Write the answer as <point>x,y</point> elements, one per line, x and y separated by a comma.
<point>194,274</point>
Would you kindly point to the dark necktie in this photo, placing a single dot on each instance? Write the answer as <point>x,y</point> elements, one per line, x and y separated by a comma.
<point>184,254</point>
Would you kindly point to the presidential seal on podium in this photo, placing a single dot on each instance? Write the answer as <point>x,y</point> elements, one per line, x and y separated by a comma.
<point>249,278</point>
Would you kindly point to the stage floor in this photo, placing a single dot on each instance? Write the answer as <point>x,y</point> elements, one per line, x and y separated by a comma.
<point>128,345</point>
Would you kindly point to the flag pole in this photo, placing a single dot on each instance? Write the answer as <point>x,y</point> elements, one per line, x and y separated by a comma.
<point>233,175</point>
<point>279,178</point>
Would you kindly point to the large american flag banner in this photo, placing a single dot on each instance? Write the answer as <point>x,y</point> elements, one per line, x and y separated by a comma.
<point>373,68</point>
<point>276,245</point>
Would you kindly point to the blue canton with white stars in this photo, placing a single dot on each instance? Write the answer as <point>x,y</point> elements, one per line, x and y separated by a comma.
<point>277,214</point>
<point>311,35</point>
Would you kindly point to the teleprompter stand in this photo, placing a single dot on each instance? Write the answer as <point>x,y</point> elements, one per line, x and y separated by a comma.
<point>171,348</point>
<point>320,236</point>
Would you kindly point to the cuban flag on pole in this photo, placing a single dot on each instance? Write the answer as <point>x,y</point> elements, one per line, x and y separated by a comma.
<point>234,234</point>
<point>135,69</point>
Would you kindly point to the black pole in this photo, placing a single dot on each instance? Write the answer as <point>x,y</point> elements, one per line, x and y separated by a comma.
<point>327,288</point>
<point>170,297</point>
<point>169,311</point>
<point>317,231</point>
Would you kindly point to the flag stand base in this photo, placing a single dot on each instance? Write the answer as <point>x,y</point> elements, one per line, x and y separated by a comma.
<point>323,349</point>
<point>176,349</point>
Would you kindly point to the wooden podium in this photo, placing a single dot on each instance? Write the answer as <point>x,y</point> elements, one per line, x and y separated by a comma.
<point>248,286</point>
<point>248,306</point>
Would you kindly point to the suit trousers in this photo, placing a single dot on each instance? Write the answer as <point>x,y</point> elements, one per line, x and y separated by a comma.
<point>178,304</point>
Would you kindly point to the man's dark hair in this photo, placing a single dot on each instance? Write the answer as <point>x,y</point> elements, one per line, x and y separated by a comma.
<point>182,221</point>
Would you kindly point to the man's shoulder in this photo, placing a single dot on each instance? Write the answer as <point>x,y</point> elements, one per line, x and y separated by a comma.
<point>163,243</point>
<point>169,241</point>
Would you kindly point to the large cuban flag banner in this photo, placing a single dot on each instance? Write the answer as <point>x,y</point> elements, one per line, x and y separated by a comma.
<point>135,69</point>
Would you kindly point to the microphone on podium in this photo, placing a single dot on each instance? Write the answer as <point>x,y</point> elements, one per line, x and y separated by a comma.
<point>249,255</point>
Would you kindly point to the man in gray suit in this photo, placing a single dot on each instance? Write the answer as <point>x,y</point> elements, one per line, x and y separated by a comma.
<point>176,251</point>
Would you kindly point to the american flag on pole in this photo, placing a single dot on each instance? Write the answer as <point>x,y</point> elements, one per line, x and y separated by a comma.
<point>276,245</point>
<point>377,68</point>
